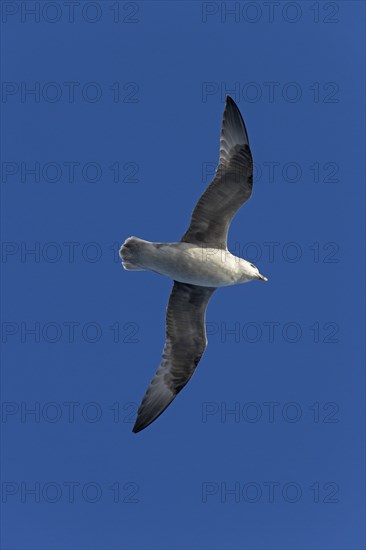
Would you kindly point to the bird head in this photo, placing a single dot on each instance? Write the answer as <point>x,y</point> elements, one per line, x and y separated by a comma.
<point>254,273</point>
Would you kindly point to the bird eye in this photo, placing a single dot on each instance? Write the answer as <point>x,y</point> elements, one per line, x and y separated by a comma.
<point>253,266</point>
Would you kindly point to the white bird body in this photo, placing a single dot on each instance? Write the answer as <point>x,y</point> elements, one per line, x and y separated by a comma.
<point>192,264</point>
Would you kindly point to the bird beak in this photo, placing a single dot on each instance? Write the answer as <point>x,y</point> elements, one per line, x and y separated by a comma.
<point>262,277</point>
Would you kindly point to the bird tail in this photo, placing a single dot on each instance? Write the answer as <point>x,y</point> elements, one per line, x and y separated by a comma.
<point>130,253</point>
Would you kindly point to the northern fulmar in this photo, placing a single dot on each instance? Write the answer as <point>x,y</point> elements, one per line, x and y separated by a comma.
<point>198,264</point>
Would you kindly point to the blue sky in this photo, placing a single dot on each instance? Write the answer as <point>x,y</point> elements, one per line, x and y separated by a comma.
<point>111,118</point>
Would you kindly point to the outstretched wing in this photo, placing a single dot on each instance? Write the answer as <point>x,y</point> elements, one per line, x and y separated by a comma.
<point>230,188</point>
<point>184,347</point>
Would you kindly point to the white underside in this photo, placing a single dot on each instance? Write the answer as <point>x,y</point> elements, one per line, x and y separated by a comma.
<point>196,265</point>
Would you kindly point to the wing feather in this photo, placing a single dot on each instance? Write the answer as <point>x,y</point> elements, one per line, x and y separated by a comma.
<point>185,344</point>
<point>230,188</point>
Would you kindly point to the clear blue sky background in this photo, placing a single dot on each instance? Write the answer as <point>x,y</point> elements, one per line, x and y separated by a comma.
<point>296,343</point>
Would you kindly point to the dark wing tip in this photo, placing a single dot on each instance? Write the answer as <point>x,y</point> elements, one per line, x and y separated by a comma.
<point>137,428</point>
<point>231,103</point>
<point>235,122</point>
<point>143,422</point>
<point>152,406</point>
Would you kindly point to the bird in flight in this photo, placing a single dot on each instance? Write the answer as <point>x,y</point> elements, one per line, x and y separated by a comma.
<point>198,264</point>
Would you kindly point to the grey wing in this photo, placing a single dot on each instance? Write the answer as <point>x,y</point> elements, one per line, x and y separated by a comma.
<point>230,188</point>
<point>184,346</point>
